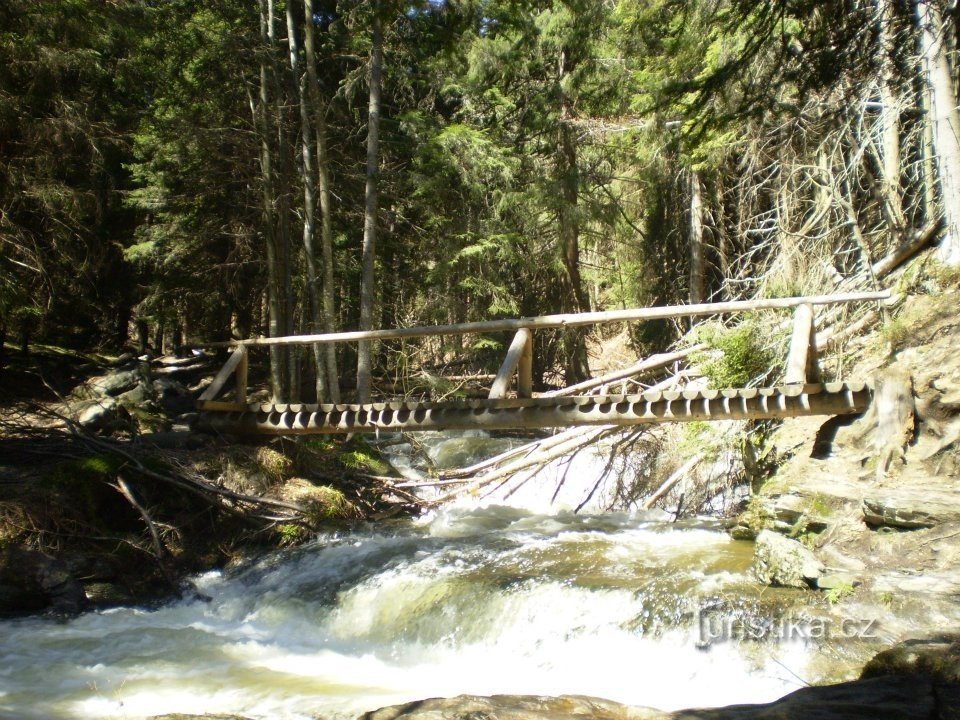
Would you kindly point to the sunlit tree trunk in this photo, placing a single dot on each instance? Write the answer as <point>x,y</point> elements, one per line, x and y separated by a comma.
<point>890,117</point>
<point>945,121</point>
<point>261,118</point>
<point>364,360</point>
<point>697,289</point>
<point>323,189</point>
<point>578,367</point>
<point>308,175</point>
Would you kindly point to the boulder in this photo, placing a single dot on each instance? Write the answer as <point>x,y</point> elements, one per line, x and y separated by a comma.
<point>31,581</point>
<point>111,384</point>
<point>515,707</point>
<point>778,560</point>
<point>97,414</point>
<point>936,657</point>
<point>888,697</point>
<point>909,509</point>
<point>792,508</point>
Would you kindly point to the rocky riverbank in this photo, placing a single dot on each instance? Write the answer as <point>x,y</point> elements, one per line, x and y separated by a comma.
<point>868,510</point>
<point>107,497</point>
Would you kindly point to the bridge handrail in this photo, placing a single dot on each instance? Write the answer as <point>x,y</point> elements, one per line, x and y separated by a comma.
<point>562,320</point>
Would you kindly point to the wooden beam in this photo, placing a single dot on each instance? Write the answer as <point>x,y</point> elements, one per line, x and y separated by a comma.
<point>799,345</point>
<point>520,347</point>
<point>241,379</point>
<point>567,320</point>
<point>220,406</point>
<point>525,368</point>
<point>654,362</point>
<point>237,359</point>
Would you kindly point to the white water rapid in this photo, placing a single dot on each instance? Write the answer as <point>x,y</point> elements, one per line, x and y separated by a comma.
<point>493,600</point>
<point>480,598</point>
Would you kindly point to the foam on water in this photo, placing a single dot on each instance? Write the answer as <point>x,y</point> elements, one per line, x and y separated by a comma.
<point>480,600</point>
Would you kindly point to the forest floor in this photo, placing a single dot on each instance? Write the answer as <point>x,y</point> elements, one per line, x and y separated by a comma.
<point>107,497</point>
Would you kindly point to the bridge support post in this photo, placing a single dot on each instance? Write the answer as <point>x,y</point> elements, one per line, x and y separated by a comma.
<point>520,360</point>
<point>237,364</point>
<point>802,352</point>
<point>240,377</point>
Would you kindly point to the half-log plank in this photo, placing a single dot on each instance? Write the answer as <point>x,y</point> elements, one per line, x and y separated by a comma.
<point>643,409</point>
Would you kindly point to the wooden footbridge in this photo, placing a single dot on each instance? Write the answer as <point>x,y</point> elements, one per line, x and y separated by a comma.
<point>571,406</point>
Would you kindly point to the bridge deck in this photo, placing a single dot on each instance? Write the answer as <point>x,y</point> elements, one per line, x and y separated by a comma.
<point>841,398</point>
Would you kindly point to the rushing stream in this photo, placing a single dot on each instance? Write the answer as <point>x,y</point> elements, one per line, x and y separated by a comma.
<point>478,600</point>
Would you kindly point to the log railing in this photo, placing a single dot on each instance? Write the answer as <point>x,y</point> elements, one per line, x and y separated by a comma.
<point>801,362</point>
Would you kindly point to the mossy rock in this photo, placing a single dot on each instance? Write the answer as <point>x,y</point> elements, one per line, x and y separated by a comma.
<point>360,456</point>
<point>274,464</point>
<point>937,656</point>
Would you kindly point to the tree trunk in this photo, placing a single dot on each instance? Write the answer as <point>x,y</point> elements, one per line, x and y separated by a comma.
<point>307,176</point>
<point>945,121</point>
<point>370,210</point>
<point>577,364</point>
<point>323,187</point>
<point>890,118</point>
<point>695,229</point>
<point>274,281</point>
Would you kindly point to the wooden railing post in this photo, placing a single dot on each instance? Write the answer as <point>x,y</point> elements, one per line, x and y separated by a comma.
<point>236,363</point>
<point>525,368</point>
<point>241,377</point>
<point>519,356</point>
<point>800,345</point>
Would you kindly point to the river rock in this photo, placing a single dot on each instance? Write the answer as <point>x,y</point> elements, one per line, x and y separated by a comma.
<point>31,581</point>
<point>792,508</point>
<point>778,560</point>
<point>937,657</point>
<point>897,697</point>
<point>514,707</point>
<point>907,508</point>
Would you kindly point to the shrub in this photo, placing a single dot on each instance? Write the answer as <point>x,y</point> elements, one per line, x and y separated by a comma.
<point>744,358</point>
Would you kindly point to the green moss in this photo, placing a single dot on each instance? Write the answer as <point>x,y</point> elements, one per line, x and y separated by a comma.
<point>98,467</point>
<point>318,445</point>
<point>755,518</point>
<point>895,332</point>
<point>273,463</point>
<point>327,503</point>
<point>820,507</point>
<point>362,460</point>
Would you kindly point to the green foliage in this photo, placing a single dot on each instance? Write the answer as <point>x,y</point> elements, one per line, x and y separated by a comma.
<point>363,460</point>
<point>838,593</point>
<point>947,277</point>
<point>94,468</point>
<point>744,358</point>
<point>291,534</point>
<point>273,463</point>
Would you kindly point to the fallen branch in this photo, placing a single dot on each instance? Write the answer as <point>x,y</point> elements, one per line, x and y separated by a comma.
<point>668,484</point>
<point>654,362</point>
<point>539,459</point>
<point>160,550</point>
